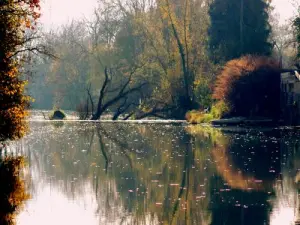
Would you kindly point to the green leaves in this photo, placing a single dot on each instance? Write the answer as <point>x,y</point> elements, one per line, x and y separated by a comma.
<point>238,27</point>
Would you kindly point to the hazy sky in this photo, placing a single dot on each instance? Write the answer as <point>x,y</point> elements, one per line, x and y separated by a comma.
<point>58,12</point>
<point>284,8</point>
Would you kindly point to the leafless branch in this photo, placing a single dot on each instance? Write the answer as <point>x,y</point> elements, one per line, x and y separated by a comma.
<point>35,50</point>
<point>122,93</point>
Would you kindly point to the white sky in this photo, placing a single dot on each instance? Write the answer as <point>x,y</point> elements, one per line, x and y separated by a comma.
<point>58,12</point>
<point>285,8</point>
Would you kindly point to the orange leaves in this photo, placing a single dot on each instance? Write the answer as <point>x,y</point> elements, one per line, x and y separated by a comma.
<point>36,15</point>
<point>8,54</point>
<point>250,86</point>
<point>235,69</point>
<point>27,23</point>
<point>28,13</point>
<point>12,123</point>
<point>13,102</point>
<point>13,72</point>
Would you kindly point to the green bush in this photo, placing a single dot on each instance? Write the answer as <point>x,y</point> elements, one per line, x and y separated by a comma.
<point>217,110</point>
<point>203,93</point>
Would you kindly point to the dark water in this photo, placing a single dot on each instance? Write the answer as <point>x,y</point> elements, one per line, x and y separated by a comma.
<point>87,173</point>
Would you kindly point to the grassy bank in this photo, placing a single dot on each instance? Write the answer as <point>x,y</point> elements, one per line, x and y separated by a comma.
<point>216,112</point>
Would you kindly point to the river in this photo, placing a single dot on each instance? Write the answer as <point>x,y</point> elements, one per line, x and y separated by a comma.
<point>128,173</point>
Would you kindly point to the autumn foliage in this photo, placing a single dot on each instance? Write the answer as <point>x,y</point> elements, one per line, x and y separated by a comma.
<point>250,87</point>
<point>15,17</point>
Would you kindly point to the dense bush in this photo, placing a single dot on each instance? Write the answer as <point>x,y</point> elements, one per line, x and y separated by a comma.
<point>203,92</point>
<point>196,117</point>
<point>250,87</point>
<point>217,110</point>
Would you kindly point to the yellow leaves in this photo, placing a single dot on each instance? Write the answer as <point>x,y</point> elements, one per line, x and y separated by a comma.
<point>12,108</point>
<point>164,12</point>
<point>7,92</point>
<point>13,72</point>
<point>13,102</point>
<point>165,84</point>
<point>197,82</point>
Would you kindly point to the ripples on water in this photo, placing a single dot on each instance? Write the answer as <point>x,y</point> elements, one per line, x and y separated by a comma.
<point>114,173</point>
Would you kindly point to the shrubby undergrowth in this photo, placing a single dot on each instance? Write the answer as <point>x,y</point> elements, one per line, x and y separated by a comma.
<point>248,87</point>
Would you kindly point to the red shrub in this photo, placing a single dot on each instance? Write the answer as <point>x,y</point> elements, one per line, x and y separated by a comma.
<point>250,86</point>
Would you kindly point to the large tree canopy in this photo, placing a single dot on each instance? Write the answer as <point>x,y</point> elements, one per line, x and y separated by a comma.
<point>238,27</point>
<point>162,42</point>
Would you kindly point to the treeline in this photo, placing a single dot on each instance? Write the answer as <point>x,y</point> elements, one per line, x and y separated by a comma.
<point>139,58</point>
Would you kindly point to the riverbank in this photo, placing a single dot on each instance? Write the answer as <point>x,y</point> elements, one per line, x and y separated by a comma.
<point>241,121</point>
<point>38,116</point>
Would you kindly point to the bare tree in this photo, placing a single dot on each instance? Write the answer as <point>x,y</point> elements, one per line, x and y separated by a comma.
<point>283,40</point>
<point>117,94</point>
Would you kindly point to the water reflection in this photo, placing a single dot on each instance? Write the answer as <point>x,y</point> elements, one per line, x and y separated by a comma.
<point>160,174</point>
<point>12,187</point>
<point>246,175</point>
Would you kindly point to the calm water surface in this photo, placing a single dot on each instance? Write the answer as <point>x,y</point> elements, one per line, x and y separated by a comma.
<point>88,173</point>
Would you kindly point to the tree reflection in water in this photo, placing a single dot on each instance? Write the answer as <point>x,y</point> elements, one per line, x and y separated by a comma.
<point>165,174</point>
<point>12,188</point>
<point>246,175</point>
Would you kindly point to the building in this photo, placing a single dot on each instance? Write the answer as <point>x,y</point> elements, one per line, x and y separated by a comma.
<point>290,97</point>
